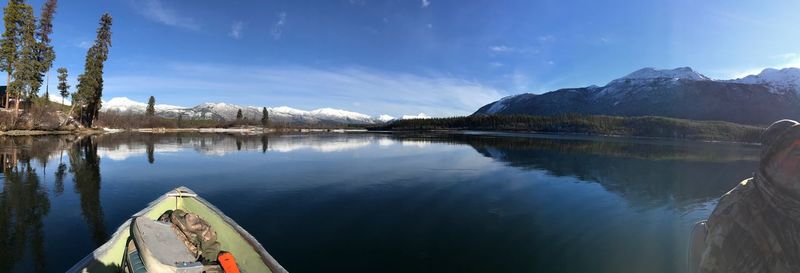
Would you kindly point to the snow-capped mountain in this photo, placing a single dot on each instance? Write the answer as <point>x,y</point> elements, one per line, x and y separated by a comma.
<point>680,92</point>
<point>227,111</point>
<point>386,118</point>
<point>783,80</point>
<point>417,116</point>
<point>125,104</point>
<point>648,73</point>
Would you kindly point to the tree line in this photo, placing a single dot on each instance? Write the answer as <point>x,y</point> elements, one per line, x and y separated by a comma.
<point>647,126</point>
<point>26,55</point>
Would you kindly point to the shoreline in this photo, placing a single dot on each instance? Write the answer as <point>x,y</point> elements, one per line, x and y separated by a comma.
<point>244,130</point>
<point>50,132</point>
<point>259,130</point>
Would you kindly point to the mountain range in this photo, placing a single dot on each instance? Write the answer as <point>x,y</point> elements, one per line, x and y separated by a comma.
<point>226,111</point>
<point>680,93</point>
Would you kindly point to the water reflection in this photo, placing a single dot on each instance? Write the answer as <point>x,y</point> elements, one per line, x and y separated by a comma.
<point>495,203</point>
<point>85,168</point>
<point>24,204</point>
<point>647,173</point>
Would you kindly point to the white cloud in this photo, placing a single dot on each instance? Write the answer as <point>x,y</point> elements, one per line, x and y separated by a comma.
<point>496,64</point>
<point>502,48</point>
<point>546,38</point>
<point>84,44</point>
<point>426,3</point>
<point>379,92</point>
<point>277,28</point>
<point>236,29</point>
<point>156,11</point>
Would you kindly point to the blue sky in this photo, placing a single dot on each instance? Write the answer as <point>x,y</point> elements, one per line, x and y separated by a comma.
<point>439,57</point>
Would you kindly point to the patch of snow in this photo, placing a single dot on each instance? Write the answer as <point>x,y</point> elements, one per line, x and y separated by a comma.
<point>677,73</point>
<point>386,118</point>
<point>57,99</point>
<point>124,104</point>
<point>337,114</point>
<point>499,105</point>
<point>418,116</point>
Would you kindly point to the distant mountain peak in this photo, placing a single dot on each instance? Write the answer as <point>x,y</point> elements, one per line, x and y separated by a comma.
<point>228,111</point>
<point>677,73</point>
<point>779,80</point>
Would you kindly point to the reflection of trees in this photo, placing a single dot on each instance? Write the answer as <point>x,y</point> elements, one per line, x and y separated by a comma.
<point>23,205</point>
<point>151,149</point>
<point>647,173</point>
<point>61,170</point>
<point>264,143</point>
<point>85,168</point>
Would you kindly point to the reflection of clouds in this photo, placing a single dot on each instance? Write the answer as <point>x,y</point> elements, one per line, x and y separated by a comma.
<point>317,144</point>
<point>415,143</point>
<point>385,141</point>
<point>121,148</point>
<point>124,151</point>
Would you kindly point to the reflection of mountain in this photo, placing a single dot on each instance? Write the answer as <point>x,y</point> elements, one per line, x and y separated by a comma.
<point>644,172</point>
<point>122,146</point>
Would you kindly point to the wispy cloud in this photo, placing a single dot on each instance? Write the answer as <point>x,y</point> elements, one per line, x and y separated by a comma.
<point>277,28</point>
<point>546,38</point>
<point>378,92</point>
<point>502,48</point>
<point>496,64</point>
<point>156,11</point>
<point>426,3</point>
<point>506,49</point>
<point>84,44</point>
<point>236,29</point>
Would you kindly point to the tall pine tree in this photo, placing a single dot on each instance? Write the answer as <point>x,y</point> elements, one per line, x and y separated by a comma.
<point>45,53</point>
<point>9,44</point>
<point>90,83</point>
<point>25,52</point>
<point>151,107</point>
<point>239,115</point>
<point>63,86</point>
<point>264,117</point>
<point>25,79</point>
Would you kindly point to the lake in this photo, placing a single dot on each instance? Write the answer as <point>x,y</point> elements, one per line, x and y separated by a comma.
<point>370,202</point>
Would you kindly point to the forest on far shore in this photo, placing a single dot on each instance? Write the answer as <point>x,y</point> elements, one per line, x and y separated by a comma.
<point>646,126</point>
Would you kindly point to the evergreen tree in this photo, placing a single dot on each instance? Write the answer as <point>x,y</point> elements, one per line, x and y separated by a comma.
<point>11,37</point>
<point>151,107</point>
<point>239,115</point>
<point>264,117</point>
<point>63,86</point>
<point>25,77</point>
<point>45,53</point>
<point>90,83</point>
<point>35,55</point>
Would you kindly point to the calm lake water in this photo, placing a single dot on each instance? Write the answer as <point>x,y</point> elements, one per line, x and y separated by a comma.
<point>378,202</point>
